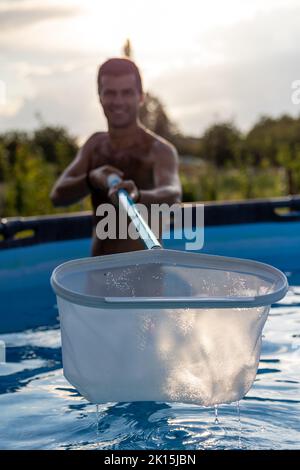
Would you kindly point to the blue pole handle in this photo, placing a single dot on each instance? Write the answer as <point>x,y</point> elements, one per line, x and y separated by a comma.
<point>149,239</point>
<point>113,179</point>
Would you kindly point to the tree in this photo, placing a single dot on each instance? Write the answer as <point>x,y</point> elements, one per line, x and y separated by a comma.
<point>260,141</point>
<point>277,142</point>
<point>11,141</point>
<point>221,144</point>
<point>154,116</point>
<point>288,155</point>
<point>3,163</point>
<point>29,183</point>
<point>56,144</point>
<point>127,49</point>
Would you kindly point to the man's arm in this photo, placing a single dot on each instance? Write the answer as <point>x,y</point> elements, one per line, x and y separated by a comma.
<point>71,186</point>
<point>166,177</point>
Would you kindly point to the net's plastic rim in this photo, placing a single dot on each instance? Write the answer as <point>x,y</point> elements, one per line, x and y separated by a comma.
<point>174,257</point>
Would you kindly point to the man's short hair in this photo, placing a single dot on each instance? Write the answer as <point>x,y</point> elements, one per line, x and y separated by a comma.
<point>117,67</point>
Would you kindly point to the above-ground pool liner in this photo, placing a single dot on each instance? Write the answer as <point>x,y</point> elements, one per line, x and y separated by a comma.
<point>164,325</point>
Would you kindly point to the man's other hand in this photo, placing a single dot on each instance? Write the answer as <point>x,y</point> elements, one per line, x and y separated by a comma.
<point>129,186</point>
<point>98,176</point>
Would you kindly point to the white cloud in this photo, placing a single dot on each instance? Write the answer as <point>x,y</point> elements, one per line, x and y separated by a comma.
<point>237,70</point>
<point>65,97</point>
<point>22,14</point>
<point>258,60</point>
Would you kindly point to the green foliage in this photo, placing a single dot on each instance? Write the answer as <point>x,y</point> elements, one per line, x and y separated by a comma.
<point>10,142</point>
<point>263,163</point>
<point>57,145</point>
<point>220,144</point>
<point>3,163</point>
<point>277,142</point>
<point>30,180</point>
<point>29,166</point>
<point>209,184</point>
<point>288,156</point>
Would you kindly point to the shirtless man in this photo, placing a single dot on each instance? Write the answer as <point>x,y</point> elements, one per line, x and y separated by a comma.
<point>147,164</point>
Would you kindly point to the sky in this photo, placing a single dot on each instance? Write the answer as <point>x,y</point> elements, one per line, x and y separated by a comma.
<point>208,61</point>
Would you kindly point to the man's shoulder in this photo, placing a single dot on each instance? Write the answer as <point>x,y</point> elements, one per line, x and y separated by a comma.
<point>95,139</point>
<point>162,146</point>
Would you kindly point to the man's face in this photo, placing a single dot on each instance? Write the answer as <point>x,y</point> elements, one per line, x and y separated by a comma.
<point>120,99</point>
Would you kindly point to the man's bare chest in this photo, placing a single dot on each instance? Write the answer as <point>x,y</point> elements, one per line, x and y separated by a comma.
<point>135,163</point>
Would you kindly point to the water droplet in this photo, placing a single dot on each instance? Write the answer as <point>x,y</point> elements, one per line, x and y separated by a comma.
<point>239,425</point>
<point>216,415</point>
<point>97,419</point>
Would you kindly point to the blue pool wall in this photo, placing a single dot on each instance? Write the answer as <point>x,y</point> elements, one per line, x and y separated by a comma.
<point>25,290</point>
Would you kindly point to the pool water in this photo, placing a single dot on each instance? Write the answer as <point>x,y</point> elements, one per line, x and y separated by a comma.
<point>41,410</point>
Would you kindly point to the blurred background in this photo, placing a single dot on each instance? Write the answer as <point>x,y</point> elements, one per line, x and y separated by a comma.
<point>219,78</point>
